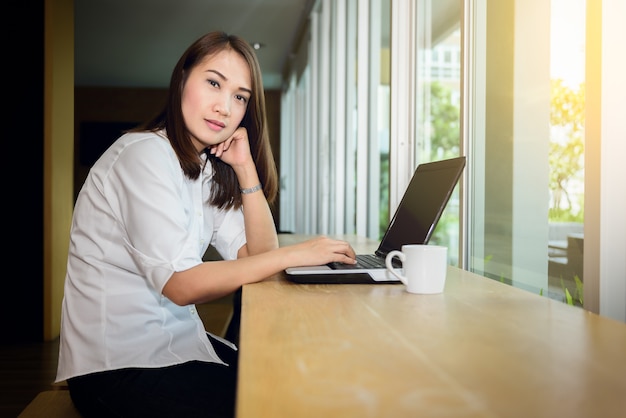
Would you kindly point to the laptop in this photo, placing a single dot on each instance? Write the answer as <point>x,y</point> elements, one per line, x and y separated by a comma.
<point>414,222</point>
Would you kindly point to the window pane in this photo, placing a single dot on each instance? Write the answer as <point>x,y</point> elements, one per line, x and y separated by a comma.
<point>566,155</point>
<point>384,105</point>
<point>526,141</point>
<point>438,103</point>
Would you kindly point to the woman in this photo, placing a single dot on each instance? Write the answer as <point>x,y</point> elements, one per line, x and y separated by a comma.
<point>201,172</point>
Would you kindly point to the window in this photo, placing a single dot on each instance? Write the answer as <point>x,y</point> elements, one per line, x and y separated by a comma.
<point>514,143</point>
<point>436,104</point>
<point>335,133</point>
<point>379,84</point>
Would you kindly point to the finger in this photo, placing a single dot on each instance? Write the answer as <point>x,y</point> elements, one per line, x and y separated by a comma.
<point>344,251</point>
<point>345,248</point>
<point>347,260</point>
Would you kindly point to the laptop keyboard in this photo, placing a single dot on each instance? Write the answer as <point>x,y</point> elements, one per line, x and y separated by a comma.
<point>364,261</point>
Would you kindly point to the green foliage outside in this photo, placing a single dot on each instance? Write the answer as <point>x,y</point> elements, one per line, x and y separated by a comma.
<point>566,162</point>
<point>383,219</point>
<point>445,122</point>
<point>577,298</point>
<point>444,143</point>
<point>566,158</point>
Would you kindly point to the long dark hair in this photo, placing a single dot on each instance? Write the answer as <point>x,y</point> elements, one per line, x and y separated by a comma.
<point>225,190</point>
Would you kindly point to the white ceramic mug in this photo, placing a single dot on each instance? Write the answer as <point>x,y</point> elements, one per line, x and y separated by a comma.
<point>425,267</point>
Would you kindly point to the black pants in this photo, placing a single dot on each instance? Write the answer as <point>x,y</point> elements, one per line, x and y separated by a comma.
<point>193,389</point>
<point>232,332</point>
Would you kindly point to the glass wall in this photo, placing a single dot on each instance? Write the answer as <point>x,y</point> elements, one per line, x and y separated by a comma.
<point>335,122</point>
<point>525,135</point>
<point>438,102</point>
<point>518,87</point>
<point>566,150</point>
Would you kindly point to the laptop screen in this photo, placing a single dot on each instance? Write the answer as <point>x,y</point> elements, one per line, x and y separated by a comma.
<point>422,205</point>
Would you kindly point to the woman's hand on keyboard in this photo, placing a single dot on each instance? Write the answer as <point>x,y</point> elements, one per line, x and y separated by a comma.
<point>321,250</point>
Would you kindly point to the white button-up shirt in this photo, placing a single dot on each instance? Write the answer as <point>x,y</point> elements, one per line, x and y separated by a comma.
<point>138,220</point>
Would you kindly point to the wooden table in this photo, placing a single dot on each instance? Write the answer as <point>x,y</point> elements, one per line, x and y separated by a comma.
<point>480,349</point>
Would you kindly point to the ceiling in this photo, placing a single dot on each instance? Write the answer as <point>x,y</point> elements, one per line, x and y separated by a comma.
<point>136,43</point>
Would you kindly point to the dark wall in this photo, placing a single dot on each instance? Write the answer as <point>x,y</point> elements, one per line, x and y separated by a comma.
<point>22,149</point>
<point>100,116</point>
<point>102,113</point>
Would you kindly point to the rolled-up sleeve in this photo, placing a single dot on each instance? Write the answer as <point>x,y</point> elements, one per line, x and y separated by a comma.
<point>229,234</point>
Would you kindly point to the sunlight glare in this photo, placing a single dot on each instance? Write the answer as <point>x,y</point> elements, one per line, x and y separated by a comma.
<point>567,41</point>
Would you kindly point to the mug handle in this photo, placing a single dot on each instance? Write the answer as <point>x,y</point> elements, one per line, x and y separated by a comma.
<point>389,265</point>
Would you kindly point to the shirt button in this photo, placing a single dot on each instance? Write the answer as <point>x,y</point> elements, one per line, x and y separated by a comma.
<point>192,311</point>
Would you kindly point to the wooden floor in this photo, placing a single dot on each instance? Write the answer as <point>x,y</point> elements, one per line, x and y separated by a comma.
<point>27,369</point>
